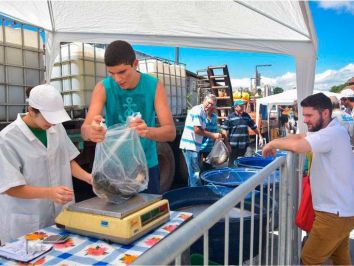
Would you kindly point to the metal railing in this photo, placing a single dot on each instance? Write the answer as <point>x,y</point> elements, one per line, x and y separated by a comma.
<point>276,240</point>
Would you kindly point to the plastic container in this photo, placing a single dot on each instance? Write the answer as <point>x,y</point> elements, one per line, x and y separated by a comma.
<point>13,35</point>
<point>21,66</point>
<point>173,77</point>
<point>197,199</point>
<point>253,162</point>
<point>76,71</point>
<point>79,67</point>
<point>258,162</point>
<point>230,177</point>
<point>79,98</point>
<point>77,50</point>
<point>279,153</point>
<point>74,83</point>
<point>153,66</point>
<point>198,259</point>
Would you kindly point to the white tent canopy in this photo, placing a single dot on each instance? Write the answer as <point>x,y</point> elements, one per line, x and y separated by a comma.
<point>288,97</point>
<point>282,27</point>
<point>285,98</point>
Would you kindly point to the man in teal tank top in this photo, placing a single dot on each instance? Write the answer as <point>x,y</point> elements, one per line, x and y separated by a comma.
<point>123,93</point>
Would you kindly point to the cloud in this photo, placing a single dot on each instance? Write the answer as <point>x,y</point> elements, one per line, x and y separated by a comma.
<point>340,6</point>
<point>323,81</point>
<point>329,78</point>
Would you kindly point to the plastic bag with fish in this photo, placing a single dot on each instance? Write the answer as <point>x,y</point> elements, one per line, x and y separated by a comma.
<point>120,167</point>
<point>219,155</point>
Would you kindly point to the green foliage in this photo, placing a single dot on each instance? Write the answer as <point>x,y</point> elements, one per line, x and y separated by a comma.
<point>338,88</point>
<point>277,90</point>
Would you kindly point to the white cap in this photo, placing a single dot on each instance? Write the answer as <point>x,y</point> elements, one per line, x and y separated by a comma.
<point>49,102</point>
<point>347,93</point>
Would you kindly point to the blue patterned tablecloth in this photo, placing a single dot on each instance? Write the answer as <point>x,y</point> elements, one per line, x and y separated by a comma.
<point>81,250</point>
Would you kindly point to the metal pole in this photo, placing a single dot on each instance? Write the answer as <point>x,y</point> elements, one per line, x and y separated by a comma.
<point>177,55</point>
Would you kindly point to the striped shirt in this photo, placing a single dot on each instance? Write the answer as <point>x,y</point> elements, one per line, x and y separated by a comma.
<point>190,140</point>
<point>211,126</point>
<point>237,128</point>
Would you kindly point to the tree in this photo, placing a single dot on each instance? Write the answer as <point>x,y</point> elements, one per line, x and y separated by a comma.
<point>337,88</point>
<point>277,90</point>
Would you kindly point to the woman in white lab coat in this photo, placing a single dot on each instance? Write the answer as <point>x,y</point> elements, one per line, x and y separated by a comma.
<point>36,166</point>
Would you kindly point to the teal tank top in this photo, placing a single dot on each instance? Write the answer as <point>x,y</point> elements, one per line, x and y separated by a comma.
<point>121,103</point>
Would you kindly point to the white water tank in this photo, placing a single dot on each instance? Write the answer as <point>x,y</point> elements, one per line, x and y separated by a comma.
<point>21,66</point>
<point>76,71</point>
<point>173,77</point>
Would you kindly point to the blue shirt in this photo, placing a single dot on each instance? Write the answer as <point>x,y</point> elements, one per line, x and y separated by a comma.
<point>237,127</point>
<point>211,126</point>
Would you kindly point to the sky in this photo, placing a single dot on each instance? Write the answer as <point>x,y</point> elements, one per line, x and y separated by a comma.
<point>334,25</point>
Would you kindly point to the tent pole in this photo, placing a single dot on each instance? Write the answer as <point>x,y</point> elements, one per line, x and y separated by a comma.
<point>268,118</point>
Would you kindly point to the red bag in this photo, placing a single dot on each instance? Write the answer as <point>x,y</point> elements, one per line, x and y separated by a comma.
<point>305,215</point>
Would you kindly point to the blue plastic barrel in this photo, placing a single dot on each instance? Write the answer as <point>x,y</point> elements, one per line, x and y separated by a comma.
<point>230,177</point>
<point>258,163</point>
<point>279,153</point>
<point>233,177</point>
<point>197,199</point>
<point>253,162</point>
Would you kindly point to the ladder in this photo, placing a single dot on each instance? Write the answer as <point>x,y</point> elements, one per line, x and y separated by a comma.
<point>203,85</point>
<point>220,85</point>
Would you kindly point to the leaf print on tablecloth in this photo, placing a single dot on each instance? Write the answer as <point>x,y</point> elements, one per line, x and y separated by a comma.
<point>152,241</point>
<point>96,251</point>
<point>41,261</point>
<point>184,216</point>
<point>127,259</point>
<point>36,236</point>
<point>170,227</point>
<point>67,244</point>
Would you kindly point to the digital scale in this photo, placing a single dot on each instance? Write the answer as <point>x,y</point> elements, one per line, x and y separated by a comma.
<point>121,222</point>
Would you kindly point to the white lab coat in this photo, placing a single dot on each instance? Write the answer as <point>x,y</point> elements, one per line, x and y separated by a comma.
<point>24,160</point>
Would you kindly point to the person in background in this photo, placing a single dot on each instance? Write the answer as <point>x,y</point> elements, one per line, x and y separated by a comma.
<point>208,143</point>
<point>235,129</point>
<point>345,119</point>
<point>332,182</point>
<point>192,137</point>
<point>125,92</point>
<point>37,164</point>
<point>351,104</point>
<point>345,96</point>
<point>284,120</point>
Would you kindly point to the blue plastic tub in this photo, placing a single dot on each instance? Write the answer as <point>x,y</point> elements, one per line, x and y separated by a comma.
<point>230,177</point>
<point>258,163</point>
<point>233,177</point>
<point>197,199</point>
<point>279,153</point>
<point>253,162</point>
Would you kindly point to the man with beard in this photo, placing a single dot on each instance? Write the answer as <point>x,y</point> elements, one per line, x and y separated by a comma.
<point>332,181</point>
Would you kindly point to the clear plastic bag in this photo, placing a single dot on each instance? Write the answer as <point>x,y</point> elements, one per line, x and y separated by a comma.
<point>219,155</point>
<point>120,167</point>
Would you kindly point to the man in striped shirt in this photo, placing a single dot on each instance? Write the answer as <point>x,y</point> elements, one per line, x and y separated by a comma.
<point>192,137</point>
<point>208,143</point>
<point>235,128</point>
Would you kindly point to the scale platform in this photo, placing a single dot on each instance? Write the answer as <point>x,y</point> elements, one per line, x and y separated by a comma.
<point>121,222</point>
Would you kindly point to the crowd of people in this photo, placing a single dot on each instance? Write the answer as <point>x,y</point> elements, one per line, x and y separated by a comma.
<point>37,157</point>
<point>201,131</point>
